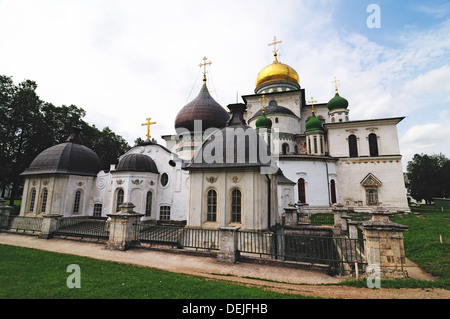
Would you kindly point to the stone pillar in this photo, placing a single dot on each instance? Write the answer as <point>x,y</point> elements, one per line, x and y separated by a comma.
<point>353,229</point>
<point>49,223</point>
<point>290,216</point>
<point>122,229</point>
<point>383,245</point>
<point>228,244</point>
<point>4,213</point>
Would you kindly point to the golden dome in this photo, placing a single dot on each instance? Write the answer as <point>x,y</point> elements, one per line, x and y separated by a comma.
<point>277,71</point>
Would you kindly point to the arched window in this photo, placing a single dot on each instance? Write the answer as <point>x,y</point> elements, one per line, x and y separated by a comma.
<point>44,200</point>
<point>276,120</point>
<point>212,206</point>
<point>333,191</point>
<point>76,202</point>
<point>236,202</point>
<point>32,200</point>
<point>352,146</point>
<point>373,144</point>
<point>285,148</point>
<point>119,199</point>
<point>315,144</point>
<point>301,190</point>
<point>148,204</point>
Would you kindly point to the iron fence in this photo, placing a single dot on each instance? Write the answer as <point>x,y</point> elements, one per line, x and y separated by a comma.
<point>181,237</point>
<point>82,227</point>
<point>332,251</point>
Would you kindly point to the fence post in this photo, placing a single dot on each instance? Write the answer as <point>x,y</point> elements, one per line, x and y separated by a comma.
<point>122,229</point>
<point>228,244</point>
<point>4,213</point>
<point>384,245</point>
<point>49,223</point>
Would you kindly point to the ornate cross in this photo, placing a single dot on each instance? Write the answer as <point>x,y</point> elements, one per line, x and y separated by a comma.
<point>274,43</point>
<point>204,64</point>
<point>148,126</point>
<point>263,100</point>
<point>335,83</point>
<point>312,104</point>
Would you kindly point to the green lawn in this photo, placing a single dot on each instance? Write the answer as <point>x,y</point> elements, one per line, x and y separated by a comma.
<point>422,239</point>
<point>28,273</point>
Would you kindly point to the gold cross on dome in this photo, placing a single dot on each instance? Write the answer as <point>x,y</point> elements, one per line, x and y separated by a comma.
<point>312,104</point>
<point>274,43</point>
<point>148,126</point>
<point>335,83</point>
<point>204,64</point>
<point>263,100</point>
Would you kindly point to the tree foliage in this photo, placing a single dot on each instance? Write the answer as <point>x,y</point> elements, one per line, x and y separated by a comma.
<point>429,176</point>
<point>29,125</point>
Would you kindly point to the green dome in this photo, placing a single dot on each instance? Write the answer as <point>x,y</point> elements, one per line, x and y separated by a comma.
<point>264,122</point>
<point>313,124</point>
<point>337,102</point>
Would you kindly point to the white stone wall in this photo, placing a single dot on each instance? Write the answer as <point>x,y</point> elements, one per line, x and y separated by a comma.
<point>253,187</point>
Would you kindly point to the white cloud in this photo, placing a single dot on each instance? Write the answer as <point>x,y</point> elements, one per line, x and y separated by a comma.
<point>124,61</point>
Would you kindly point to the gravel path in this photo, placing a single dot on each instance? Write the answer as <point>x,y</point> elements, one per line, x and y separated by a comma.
<point>302,281</point>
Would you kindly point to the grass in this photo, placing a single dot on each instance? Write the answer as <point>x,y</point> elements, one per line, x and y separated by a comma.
<point>33,274</point>
<point>422,239</point>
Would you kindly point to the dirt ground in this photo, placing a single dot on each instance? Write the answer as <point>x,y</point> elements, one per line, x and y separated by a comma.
<point>289,280</point>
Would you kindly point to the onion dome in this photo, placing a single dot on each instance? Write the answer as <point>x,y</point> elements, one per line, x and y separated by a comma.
<point>337,102</point>
<point>69,157</point>
<point>240,146</point>
<point>137,163</point>
<point>313,124</point>
<point>277,77</point>
<point>203,108</point>
<point>264,122</point>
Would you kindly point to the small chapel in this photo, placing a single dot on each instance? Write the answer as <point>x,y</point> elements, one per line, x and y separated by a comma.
<point>242,165</point>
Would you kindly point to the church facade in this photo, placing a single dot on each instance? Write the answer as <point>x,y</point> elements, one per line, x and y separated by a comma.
<point>240,166</point>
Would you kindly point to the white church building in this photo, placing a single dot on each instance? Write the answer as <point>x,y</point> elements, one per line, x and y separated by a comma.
<point>313,157</point>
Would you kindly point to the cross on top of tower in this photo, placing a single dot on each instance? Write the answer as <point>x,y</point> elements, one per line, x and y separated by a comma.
<point>204,64</point>
<point>335,83</point>
<point>275,51</point>
<point>263,100</point>
<point>312,101</point>
<point>148,123</point>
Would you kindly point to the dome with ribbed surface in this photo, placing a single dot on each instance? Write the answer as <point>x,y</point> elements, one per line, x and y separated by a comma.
<point>137,163</point>
<point>264,122</point>
<point>203,108</point>
<point>69,157</point>
<point>337,102</point>
<point>313,124</point>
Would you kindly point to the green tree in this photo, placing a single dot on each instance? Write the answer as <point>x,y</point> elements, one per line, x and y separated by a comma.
<point>429,176</point>
<point>29,125</point>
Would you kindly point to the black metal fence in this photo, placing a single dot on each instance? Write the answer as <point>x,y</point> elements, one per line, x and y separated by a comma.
<point>336,252</point>
<point>82,227</point>
<point>180,237</point>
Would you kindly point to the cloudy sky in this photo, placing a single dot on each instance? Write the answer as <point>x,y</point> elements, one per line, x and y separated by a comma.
<point>123,61</point>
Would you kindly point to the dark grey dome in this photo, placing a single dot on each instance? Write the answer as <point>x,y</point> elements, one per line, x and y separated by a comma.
<point>137,163</point>
<point>66,158</point>
<point>203,108</point>
<point>274,109</point>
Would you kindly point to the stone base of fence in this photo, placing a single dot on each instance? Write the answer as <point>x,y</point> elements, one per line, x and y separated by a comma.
<point>49,224</point>
<point>122,232</point>
<point>228,243</point>
<point>384,245</point>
